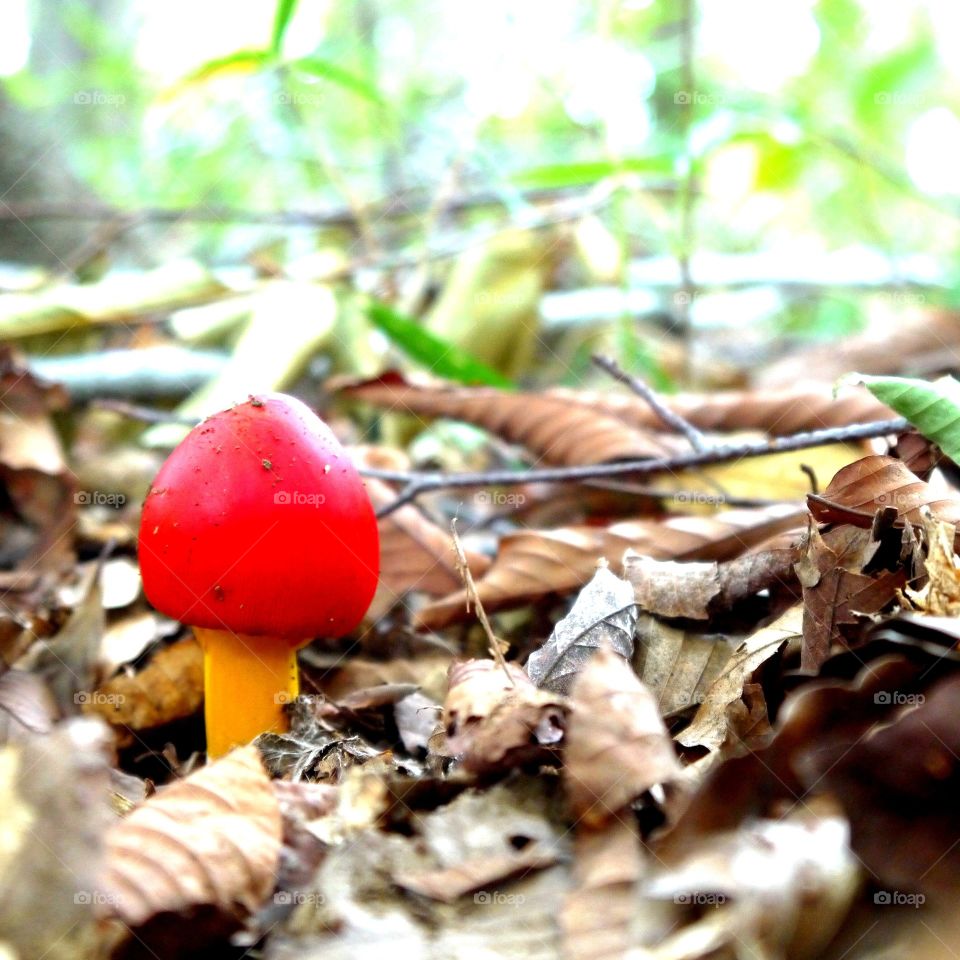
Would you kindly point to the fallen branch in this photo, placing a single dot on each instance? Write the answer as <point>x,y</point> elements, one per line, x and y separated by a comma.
<point>416,483</point>
<point>670,418</point>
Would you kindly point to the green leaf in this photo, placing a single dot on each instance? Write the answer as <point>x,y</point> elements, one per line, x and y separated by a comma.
<point>281,20</point>
<point>933,408</point>
<point>325,70</point>
<point>241,60</point>
<point>560,175</point>
<point>440,357</point>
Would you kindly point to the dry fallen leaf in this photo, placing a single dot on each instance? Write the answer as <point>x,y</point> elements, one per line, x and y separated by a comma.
<point>696,591</point>
<point>940,596</point>
<point>532,564</point>
<point>415,553</point>
<point>603,614</point>
<point>33,470</point>
<point>498,719</point>
<point>598,910</point>
<point>770,888</point>
<point>874,483</point>
<point>211,840</point>
<point>677,665</point>
<point>711,726</point>
<point>168,688</point>
<point>836,591</point>
<point>779,411</point>
<point>617,746</point>
<point>559,430</point>
<point>53,792</point>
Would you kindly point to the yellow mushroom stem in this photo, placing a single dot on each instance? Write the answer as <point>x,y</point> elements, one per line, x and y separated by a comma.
<point>246,682</point>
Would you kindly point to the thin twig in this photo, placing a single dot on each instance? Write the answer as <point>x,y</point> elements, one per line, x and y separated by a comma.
<point>417,483</point>
<point>672,419</point>
<point>144,414</point>
<point>473,597</point>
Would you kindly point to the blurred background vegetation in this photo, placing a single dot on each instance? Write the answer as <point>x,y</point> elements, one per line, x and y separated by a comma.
<point>489,190</point>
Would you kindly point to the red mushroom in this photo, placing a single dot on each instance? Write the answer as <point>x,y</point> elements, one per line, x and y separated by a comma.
<point>258,532</point>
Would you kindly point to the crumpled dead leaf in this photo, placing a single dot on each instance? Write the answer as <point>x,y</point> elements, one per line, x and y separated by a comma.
<point>603,614</point>
<point>874,483</point>
<point>498,719</point>
<point>836,590</point>
<point>617,746</point>
<point>168,688</point>
<point>532,564</point>
<point>940,595</point>
<point>677,665</point>
<point>697,591</point>
<point>598,910</point>
<point>712,724</point>
<point>415,553</point>
<point>211,840</point>
<point>33,470</point>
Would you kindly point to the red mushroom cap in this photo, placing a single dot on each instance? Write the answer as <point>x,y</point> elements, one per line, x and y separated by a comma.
<point>259,523</point>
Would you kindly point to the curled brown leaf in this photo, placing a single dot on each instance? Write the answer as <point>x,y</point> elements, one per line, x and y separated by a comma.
<point>617,745</point>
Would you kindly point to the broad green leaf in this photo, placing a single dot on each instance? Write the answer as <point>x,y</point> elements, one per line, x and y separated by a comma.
<point>325,70</point>
<point>281,20</point>
<point>440,357</point>
<point>933,408</point>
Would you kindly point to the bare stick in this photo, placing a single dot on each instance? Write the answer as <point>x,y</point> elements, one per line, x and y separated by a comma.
<point>416,483</point>
<point>473,597</point>
<point>143,414</point>
<point>672,419</point>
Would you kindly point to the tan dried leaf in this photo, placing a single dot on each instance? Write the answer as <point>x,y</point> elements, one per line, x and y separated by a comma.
<point>532,564</point>
<point>559,430</point>
<point>168,688</point>
<point>778,412</point>
<point>940,596</point>
<point>415,553</point>
<point>604,614</point>
<point>598,911</point>
<point>450,883</point>
<point>873,483</point>
<point>678,665</point>
<point>696,591</point>
<point>836,591</point>
<point>711,726</point>
<point>497,720</point>
<point>212,839</point>
<point>617,745</point>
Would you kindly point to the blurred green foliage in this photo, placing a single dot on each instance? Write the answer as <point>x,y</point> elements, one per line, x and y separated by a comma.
<point>803,130</point>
